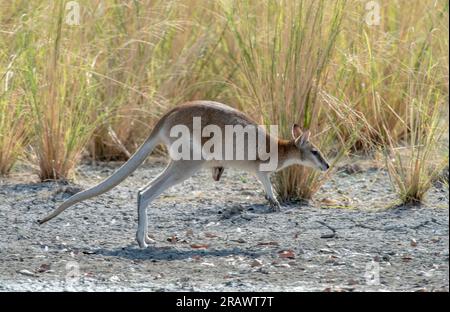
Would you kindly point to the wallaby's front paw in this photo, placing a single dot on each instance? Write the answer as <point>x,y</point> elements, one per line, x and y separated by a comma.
<point>274,205</point>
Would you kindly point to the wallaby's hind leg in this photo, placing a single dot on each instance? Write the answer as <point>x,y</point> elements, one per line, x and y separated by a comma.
<point>142,211</point>
<point>143,221</point>
<point>264,178</point>
<point>176,172</point>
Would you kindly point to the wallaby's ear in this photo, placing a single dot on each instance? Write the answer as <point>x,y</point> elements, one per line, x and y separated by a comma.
<point>305,137</point>
<point>296,131</point>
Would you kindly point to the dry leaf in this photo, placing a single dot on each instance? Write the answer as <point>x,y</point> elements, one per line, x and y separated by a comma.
<point>199,246</point>
<point>329,202</point>
<point>286,254</point>
<point>173,239</point>
<point>407,258</point>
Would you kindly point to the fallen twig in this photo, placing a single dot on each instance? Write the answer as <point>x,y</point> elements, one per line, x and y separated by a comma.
<point>329,235</point>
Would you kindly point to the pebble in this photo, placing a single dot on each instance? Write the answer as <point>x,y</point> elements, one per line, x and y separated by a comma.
<point>27,273</point>
<point>256,263</point>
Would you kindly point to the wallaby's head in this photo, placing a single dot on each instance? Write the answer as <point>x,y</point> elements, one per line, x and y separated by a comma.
<point>309,154</point>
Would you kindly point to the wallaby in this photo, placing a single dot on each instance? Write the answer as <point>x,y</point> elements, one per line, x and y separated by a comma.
<point>298,150</point>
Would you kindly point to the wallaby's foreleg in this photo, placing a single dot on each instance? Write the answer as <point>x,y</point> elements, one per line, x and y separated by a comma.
<point>176,172</point>
<point>264,178</point>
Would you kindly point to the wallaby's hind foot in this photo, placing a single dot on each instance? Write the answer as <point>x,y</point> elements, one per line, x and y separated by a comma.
<point>141,239</point>
<point>144,241</point>
<point>141,233</point>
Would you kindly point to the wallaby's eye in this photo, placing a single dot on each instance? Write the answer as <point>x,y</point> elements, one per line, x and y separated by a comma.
<point>314,152</point>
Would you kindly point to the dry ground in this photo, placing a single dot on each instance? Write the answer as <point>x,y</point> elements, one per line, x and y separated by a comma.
<point>219,236</point>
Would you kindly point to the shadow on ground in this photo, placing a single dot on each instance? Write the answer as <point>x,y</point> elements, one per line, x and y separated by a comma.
<point>171,253</point>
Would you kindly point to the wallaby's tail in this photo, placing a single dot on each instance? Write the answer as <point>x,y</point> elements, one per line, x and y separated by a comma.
<point>121,174</point>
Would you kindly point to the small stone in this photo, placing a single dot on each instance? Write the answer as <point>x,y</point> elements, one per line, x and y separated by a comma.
<point>328,235</point>
<point>413,242</point>
<point>43,268</point>
<point>263,270</point>
<point>256,263</point>
<point>286,254</point>
<point>352,282</point>
<point>336,263</point>
<point>27,273</point>
<point>210,235</point>
<point>435,239</point>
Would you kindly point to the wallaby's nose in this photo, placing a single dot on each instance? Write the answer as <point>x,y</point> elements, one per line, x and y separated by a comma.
<point>327,166</point>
